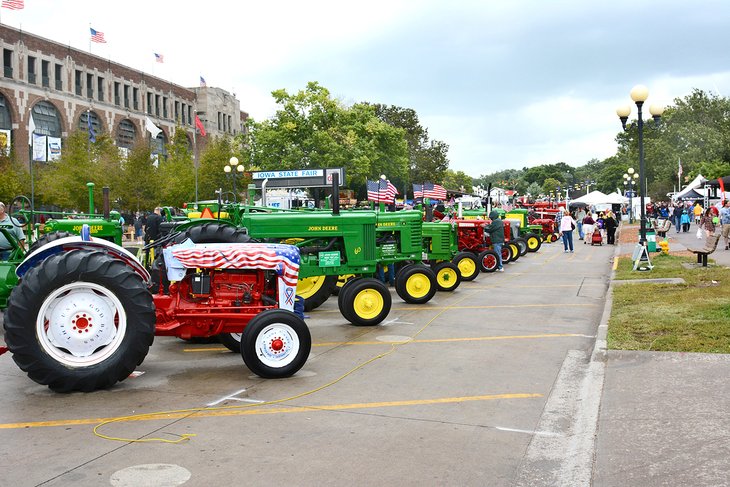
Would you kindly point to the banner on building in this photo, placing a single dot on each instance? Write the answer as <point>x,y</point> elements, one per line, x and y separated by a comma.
<point>54,148</point>
<point>39,148</point>
<point>5,142</point>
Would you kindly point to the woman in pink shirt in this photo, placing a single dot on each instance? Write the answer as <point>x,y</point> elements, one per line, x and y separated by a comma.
<point>567,225</point>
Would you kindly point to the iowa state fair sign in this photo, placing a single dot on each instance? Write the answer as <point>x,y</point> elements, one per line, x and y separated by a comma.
<point>298,178</point>
<point>302,173</point>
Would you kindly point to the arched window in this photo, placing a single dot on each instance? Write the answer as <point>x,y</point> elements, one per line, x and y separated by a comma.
<point>47,120</point>
<point>126,134</point>
<point>158,145</point>
<point>6,123</point>
<point>95,122</point>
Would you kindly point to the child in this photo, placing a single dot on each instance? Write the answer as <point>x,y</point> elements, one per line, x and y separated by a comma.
<point>685,220</point>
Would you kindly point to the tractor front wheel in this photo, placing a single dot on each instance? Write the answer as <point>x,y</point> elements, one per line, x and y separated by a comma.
<point>448,276</point>
<point>522,245</point>
<point>275,344</point>
<point>80,321</point>
<point>467,264</point>
<point>515,249</point>
<point>533,242</point>
<point>488,261</point>
<point>507,255</point>
<point>364,301</point>
<point>415,284</point>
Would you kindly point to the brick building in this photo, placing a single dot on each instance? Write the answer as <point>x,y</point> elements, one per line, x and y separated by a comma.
<point>68,89</point>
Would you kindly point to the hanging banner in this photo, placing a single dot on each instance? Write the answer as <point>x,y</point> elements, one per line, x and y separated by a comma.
<point>54,148</point>
<point>39,148</point>
<point>5,142</point>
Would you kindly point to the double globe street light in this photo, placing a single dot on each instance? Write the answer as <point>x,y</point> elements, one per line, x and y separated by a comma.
<point>630,178</point>
<point>639,94</point>
<point>234,169</point>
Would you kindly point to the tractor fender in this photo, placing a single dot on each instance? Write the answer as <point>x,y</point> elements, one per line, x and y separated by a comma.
<point>68,244</point>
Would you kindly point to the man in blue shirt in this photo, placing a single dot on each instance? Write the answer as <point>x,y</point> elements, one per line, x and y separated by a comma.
<point>725,222</point>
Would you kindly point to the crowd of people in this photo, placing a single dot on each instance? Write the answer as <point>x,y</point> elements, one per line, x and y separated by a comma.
<point>591,225</point>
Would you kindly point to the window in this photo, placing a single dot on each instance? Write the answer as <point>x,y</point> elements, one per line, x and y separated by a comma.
<point>126,134</point>
<point>78,78</point>
<point>164,107</point>
<point>182,115</point>
<point>58,77</point>
<point>47,120</point>
<point>95,122</point>
<point>8,63</point>
<point>230,129</point>
<point>116,93</point>
<point>45,75</point>
<point>190,115</point>
<point>135,98</point>
<point>5,121</point>
<point>89,85</point>
<point>177,111</point>
<point>157,105</point>
<point>100,88</point>
<point>31,70</point>
<point>219,121</point>
<point>126,96</point>
<point>149,103</point>
<point>158,145</point>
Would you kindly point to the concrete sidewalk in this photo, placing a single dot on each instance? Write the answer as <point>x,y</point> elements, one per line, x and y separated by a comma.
<point>664,417</point>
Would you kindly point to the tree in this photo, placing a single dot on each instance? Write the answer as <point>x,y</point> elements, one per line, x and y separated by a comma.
<point>177,172</point>
<point>312,130</point>
<point>211,176</point>
<point>140,188</point>
<point>550,185</point>
<point>458,181</point>
<point>534,190</point>
<point>427,159</point>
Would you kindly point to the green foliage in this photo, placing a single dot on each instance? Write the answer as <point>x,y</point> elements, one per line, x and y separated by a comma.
<point>550,185</point>
<point>211,176</point>
<point>458,181</point>
<point>534,189</point>
<point>312,130</point>
<point>140,187</point>
<point>14,179</point>
<point>177,173</point>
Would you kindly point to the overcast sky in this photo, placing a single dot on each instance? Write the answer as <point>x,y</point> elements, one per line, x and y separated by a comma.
<point>506,84</point>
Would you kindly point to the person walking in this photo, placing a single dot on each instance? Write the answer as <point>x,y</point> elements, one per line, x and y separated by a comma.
<point>685,220</point>
<point>138,227</point>
<point>725,222</point>
<point>588,227</point>
<point>609,221</point>
<point>677,217</point>
<point>697,212</point>
<point>567,225</point>
<point>495,229</point>
<point>579,216</point>
<point>707,224</point>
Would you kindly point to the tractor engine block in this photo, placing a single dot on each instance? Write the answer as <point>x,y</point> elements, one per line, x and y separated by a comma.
<point>214,301</point>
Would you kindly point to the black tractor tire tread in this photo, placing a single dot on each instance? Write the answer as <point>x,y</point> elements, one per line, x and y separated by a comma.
<point>61,269</point>
<point>48,238</point>
<point>318,298</point>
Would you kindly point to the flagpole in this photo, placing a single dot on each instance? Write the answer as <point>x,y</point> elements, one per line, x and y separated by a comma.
<point>195,161</point>
<point>30,163</point>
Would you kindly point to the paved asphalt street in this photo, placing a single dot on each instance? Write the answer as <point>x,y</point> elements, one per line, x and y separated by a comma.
<point>498,383</point>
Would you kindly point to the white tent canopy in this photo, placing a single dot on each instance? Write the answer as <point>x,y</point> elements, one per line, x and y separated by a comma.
<point>593,198</point>
<point>695,184</point>
<point>616,199</point>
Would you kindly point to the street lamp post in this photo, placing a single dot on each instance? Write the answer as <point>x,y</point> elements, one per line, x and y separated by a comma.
<point>630,177</point>
<point>639,94</point>
<point>232,168</point>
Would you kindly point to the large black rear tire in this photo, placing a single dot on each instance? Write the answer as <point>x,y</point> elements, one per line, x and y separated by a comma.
<point>316,290</point>
<point>80,321</point>
<point>48,238</point>
<point>275,344</point>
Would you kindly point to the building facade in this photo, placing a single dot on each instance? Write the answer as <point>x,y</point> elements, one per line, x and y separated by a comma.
<point>67,89</point>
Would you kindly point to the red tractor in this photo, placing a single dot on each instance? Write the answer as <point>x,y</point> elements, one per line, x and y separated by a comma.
<point>472,238</point>
<point>83,316</point>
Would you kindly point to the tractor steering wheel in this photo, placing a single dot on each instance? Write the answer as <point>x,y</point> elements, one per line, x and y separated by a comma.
<point>16,214</point>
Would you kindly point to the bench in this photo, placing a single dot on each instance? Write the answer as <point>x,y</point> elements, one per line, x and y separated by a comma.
<point>662,227</point>
<point>710,246</point>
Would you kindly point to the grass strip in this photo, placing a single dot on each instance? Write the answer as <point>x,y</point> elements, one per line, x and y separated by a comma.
<point>694,317</point>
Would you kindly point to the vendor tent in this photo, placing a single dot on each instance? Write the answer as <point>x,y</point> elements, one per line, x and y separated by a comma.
<point>616,199</point>
<point>593,198</point>
<point>696,183</point>
<point>689,195</point>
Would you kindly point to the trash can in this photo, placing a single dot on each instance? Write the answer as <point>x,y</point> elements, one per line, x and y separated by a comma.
<point>651,240</point>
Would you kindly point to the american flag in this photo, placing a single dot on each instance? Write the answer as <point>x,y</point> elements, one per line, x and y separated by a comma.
<point>381,190</point>
<point>202,82</point>
<point>159,58</point>
<point>13,4</point>
<point>97,36</point>
<point>429,190</point>
<point>282,258</point>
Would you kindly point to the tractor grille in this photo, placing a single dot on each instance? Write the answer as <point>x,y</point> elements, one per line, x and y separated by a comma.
<point>369,236</point>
